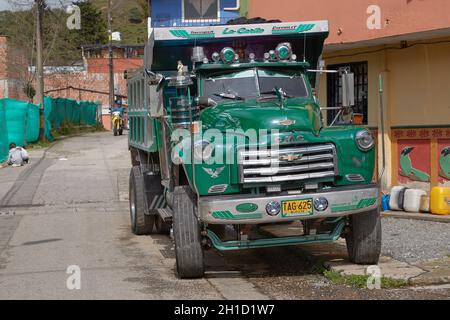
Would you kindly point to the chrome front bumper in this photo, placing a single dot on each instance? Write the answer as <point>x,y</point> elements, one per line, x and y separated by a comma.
<point>341,202</point>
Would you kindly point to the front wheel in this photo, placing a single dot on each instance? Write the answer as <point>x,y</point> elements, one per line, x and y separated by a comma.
<point>364,238</point>
<point>140,222</point>
<point>186,232</point>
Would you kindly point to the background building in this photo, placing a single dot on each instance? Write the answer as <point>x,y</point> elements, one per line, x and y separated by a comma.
<point>13,71</point>
<point>407,44</point>
<point>166,13</point>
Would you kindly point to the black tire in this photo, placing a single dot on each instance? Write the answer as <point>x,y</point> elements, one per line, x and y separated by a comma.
<point>115,131</point>
<point>364,238</point>
<point>120,131</point>
<point>186,232</point>
<point>162,227</point>
<point>140,222</point>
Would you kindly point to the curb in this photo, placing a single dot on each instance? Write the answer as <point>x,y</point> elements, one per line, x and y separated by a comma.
<point>416,216</point>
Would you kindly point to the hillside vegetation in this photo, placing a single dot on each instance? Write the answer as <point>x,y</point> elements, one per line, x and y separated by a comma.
<point>63,46</point>
<point>129,18</point>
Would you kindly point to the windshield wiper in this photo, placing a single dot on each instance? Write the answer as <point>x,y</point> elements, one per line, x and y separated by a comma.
<point>230,96</point>
<point>275,91</point>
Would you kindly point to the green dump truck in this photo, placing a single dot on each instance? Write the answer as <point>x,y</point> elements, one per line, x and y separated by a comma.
<point>229,150</point>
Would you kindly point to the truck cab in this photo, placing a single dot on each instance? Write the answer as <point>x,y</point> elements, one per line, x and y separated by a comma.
<point>229,149</point>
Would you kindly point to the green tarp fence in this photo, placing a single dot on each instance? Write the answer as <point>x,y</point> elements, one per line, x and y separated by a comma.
<point>3,132</point>
<point>61,111</point>
<point>19,120</point>
<point>19,123</point>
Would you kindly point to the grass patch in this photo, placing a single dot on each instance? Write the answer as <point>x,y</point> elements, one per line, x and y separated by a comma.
<point>69,130</point>
<point>360,281</point>
<point>39,144</point>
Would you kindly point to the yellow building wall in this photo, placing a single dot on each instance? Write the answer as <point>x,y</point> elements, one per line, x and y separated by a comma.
<point>419,84</point>
<point>416,84</point>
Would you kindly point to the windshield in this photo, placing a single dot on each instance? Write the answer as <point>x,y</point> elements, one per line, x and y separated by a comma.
<point>293,84</point>
<point>254,83</point>
<point>238,84</point>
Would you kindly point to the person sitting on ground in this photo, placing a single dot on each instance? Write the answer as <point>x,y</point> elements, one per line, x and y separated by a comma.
<point>18,156</point>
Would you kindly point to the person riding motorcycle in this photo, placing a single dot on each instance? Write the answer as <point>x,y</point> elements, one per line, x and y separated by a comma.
<point>117,120</point>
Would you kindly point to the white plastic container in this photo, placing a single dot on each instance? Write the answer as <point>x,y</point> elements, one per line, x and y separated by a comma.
<point>425,204</point>
<point>397,198</point>
<point>412,200</point>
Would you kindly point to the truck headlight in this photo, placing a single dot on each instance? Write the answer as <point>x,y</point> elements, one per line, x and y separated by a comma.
<point>273,208</point>
<point>364,140</point>
<point>203,150</point>
<point>321,204</point>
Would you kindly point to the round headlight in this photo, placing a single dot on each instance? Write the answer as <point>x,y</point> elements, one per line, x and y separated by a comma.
<point>364,140</point>
<point>272,55</point>
<point>284,51</point>
<point>273,208</point>
<point>215,57</point>
<point>203,150</point>
<point>227,55</point>
<point>321,204</point>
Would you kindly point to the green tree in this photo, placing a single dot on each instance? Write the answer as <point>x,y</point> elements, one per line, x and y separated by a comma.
<point>93,25</point>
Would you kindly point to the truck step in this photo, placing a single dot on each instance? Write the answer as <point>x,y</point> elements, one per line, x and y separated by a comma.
<point>165,214</point>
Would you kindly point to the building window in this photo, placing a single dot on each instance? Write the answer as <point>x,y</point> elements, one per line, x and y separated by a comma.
<point>334,88</point>
<point>201,10</point>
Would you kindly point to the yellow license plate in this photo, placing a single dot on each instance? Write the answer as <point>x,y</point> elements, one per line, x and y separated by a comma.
<point>297,207</point>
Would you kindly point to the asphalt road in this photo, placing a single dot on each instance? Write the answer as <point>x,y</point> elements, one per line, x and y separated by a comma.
<point>68,210</point>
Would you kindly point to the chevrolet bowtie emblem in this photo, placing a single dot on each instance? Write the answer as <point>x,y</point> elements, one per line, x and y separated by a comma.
<point>290,157</point>
<point>286,122</point>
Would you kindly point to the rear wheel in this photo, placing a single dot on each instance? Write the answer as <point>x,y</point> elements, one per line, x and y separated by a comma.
<point>186,232</point>
<point>364,238</point>
<point>115,131</point>
<point>140,222</point>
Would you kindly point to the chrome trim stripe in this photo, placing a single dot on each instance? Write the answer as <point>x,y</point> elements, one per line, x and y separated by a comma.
<point>304,176</point>
<point>276,170</point>
<point>345,197</point>
<point>276,153</point>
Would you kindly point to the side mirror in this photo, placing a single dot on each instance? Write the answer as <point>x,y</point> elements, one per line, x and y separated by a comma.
<point>348,89</point>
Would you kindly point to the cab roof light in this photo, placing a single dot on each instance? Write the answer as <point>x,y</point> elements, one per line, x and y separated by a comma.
<point>272,55</point>
<point>216,57</point>
<point>284,51</point>
<point>227,55</point>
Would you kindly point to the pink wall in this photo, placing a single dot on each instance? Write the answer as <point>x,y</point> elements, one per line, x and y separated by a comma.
<point>397,16</point>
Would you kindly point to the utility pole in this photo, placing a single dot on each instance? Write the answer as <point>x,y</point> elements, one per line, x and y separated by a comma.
<point>111,66</point>
<point>40,4</point>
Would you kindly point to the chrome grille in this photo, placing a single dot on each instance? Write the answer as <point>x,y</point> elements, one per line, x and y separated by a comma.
<point>287,163</point>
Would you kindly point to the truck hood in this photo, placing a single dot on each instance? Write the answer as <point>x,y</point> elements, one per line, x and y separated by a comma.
<point>296,115</point>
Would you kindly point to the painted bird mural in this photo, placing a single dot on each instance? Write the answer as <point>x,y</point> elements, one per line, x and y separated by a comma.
<point>407,169</point>
<point>444,163</point>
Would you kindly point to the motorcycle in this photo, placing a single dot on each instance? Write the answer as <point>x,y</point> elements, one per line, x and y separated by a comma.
<point>117,122</point>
